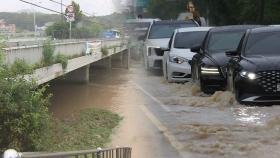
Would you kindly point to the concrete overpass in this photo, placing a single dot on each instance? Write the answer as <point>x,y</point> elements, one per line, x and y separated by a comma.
<point>77,69</point>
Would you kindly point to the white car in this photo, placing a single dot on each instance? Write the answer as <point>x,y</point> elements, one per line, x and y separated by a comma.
<point>136,29</point>
<point>178,55</point>
<point>157,38</point>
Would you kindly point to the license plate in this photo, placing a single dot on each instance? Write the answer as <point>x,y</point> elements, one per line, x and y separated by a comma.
<point>278,87</point>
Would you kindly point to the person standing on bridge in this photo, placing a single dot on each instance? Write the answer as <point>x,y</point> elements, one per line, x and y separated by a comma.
<point>194,14</point>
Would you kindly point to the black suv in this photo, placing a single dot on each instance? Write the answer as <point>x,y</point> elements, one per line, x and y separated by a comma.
<point>254,69</point>
<point>209,64</point>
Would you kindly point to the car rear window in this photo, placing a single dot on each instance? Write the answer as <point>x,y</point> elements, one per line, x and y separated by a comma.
<point>186,40</point>
<point>166,30</point>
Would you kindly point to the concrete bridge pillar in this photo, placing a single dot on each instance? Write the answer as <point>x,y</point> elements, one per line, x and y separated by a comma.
<point>80,75</point>
<point>122,59</point>
<point>126,59</point>
<point>108,63</point>
<point>104,63</point>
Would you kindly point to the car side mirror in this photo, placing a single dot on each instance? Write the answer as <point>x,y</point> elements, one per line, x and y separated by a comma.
<point>196,49</point>
<point>232,53</point>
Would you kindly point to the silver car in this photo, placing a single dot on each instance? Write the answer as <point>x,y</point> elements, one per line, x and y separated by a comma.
<point>177,58</point>
<point>157,38</point>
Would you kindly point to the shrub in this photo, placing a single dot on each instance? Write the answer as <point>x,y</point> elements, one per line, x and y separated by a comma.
<point>24,116</point>
<point>104,51</point>
<point>20,67</point>
<point>48,53</point>
<point>60,58</point>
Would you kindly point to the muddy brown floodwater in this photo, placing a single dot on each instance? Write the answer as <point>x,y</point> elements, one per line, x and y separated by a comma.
<point>163,120</point>
<point>113,90</point>
<point>69,98</point>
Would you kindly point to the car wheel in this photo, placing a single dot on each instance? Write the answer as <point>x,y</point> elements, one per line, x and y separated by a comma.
<point>230,82</point>
<point>146,64</point>
<point>167,76</point>
<point>236,91</point>
<point>196,74</point>
<point>143,59</point>
<point>237,95</point>
<point>193,74</point>
<point>203,87</point>
<point>164,67</point>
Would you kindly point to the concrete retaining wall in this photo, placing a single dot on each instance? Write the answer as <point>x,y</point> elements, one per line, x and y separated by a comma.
<point>33,54</point>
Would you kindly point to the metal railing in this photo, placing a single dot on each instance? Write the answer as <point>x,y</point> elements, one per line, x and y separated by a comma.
<point>124,152</point>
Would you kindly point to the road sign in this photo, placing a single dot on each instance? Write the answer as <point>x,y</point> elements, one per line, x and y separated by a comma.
<point>70,13</point>
<point>70,17</point>
<point>70,9</point>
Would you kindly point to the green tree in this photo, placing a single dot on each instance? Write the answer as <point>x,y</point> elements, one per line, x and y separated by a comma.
<point>95,29</point>
<point>59,30</point>
<point>78,13</point>
<point>165,9</point>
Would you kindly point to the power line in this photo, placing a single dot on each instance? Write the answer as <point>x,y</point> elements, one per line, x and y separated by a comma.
<point>56,11</point>
<point>42,7</point>
<point>61,7</point>
<point>60,3</point>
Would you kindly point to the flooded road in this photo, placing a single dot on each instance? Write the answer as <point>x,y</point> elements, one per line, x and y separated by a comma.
<point>172,120</point>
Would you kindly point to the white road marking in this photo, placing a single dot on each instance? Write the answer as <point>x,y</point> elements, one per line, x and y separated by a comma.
<point>152,97</point>
<point>173,141</point>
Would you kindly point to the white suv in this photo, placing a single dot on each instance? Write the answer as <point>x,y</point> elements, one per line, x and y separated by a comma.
<point>177,57</point>
<point>157,38</point>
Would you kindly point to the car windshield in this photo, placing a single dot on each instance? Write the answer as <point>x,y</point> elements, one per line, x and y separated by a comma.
<point>264,44</point>
<point>137,26</point>
<point>166,30</point>
<point>219,41</point>
<point>186,40</point>
<point>137,29</point>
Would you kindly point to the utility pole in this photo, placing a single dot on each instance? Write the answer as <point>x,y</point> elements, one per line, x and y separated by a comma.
<point>70,33</point>
<point>34,21</point>
<point>61,9</point>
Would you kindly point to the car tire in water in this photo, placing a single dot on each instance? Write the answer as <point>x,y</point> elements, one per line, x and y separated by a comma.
<point>203,86</point>
<point>237,95</point>
<point>193,75</point>
<point>167,76</point>
<point>230,82</point>
<point>146,64</point>
<point>164,70</point>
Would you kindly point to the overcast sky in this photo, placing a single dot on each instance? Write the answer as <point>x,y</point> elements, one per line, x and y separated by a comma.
<point>98,7</point>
